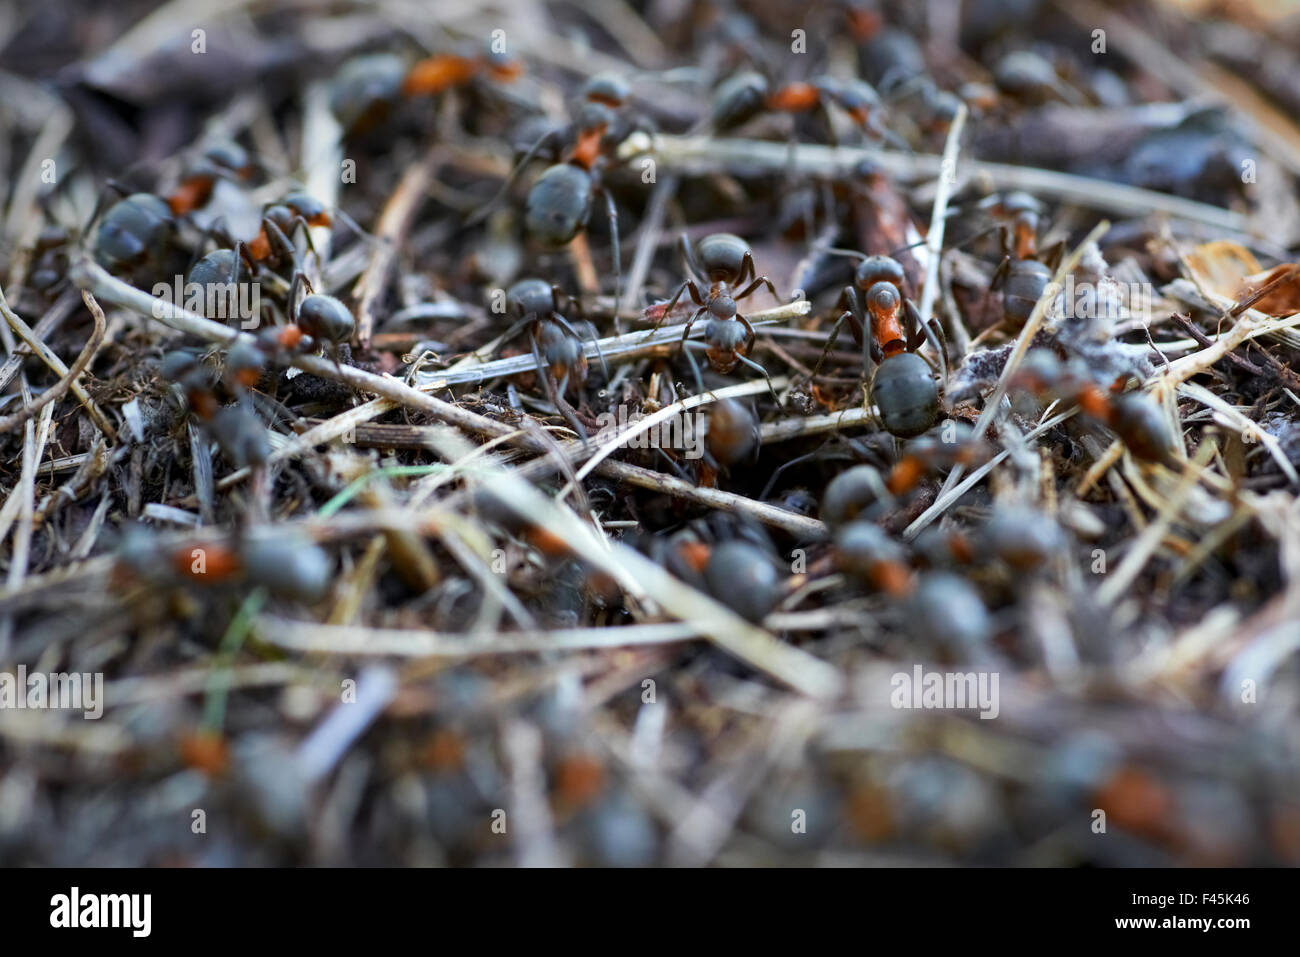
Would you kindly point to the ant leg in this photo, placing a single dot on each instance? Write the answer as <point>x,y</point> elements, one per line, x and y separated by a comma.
<point>98,210</point>
<point>299,279</point>
<point>612,212</point>
<point>300,221</point>
<point>918,331</point>
<point>695,366</point>
<point>880,131</point>
<point>762,496</point>
<point>1053,254</point>
<point>754,286</point>
<point>554,392</point>
<point>871,354</point>
<point>824,111</point>
<point>511,332</point>
<point>483,211</point>
<point>830,342</point>
<point>279,243</point>
<point>563,323</point>
<point>690,322</point>
<point>754,365</point>
<point>750,335</point>
<point>688,256</point>
<point>687,285</point>
<point>676,468</point>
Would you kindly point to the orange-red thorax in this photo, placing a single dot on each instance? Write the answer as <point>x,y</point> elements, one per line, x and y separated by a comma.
<point>888,332</point>
<point>437,73</point>
<point>794,98</point>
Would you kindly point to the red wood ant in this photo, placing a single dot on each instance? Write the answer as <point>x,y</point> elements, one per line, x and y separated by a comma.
<point>272,245</point>
<point>747,94</point>
<point>723,261</point>
<point>866,552</point>
<point>1133,416</point>
<point>367,88</point>
<point>557,347</point>
<point>1022,276</point>
<point>226,159</point>
<point>732,437</point>
<point>133,233</point>
<point>901,386</point>
<point>559,202</point>
<point>863,492</point>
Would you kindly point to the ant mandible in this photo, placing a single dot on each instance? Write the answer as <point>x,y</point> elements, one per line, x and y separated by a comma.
<point>723,261</point>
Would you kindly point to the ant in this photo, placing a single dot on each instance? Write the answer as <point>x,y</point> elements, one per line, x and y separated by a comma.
<point>289,564</point>
<point>559,202</point>
<point>133,233</point>
<point>728,558</point>
<point>221,160</point>
<point>723,261</point>
<point>866,552</point>
<point>901,386</point>
<point>238,431</point>
<point>732,437</point>
<point>862,492</point>
<point>319,317</point>
<point>1133,416</point>
<point>272,245</point>
<point>747,94</point>
<point>557,347</point>
<point>1022,275</point>
<point>367,88</point>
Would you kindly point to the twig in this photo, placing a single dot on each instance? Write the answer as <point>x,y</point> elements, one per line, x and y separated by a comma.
<point>60,388</point>
<point>56,365</point>
<point>938,215</point>
<point>696,155</point>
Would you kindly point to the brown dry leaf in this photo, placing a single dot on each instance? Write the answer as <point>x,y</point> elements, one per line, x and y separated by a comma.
<point>1282,301</point>
<point>1222,266</point>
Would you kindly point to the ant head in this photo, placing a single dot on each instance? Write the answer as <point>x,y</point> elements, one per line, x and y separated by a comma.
<point>594,118</point>
<point>883,299</point>
<point>607,88</point>
<point>722,307</point>
<point>530,297</point>
<point>311,209</point>
<point>876,269</point>
<point>325,317</point>
<point>739,99</point>
<point>229,155</point>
